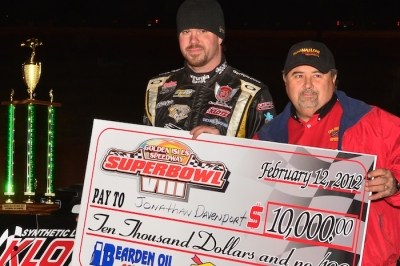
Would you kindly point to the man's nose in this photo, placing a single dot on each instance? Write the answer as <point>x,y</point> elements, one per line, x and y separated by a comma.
<point>194,38</point>
<point>308,82</point>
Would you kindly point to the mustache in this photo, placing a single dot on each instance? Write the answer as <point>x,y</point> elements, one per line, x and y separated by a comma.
<point>309,91</point>
<point>194,46</point>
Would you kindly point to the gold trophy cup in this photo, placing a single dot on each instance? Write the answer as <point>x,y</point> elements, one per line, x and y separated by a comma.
<point>30,68</point>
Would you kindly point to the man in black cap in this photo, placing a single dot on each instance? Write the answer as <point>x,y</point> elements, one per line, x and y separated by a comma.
<point>321,116</point>
<point>206,95</point>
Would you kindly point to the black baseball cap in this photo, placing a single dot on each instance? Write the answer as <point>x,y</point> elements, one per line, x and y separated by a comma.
<point>310,53</point>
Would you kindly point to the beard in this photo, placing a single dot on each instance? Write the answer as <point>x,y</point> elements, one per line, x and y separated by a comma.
<point>197,60</point>
<point>308,101</point>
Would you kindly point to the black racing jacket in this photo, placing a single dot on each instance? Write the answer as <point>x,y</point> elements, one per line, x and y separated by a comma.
<point>233,102</point>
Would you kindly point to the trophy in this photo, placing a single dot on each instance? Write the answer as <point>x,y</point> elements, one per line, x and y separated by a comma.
<point>30,68</point>
<point>31,71</point>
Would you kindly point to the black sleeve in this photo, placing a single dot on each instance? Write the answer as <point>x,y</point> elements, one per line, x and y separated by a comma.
<point>261,111</point>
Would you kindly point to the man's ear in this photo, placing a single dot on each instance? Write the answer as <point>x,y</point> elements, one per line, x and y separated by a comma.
<point>284,77</point>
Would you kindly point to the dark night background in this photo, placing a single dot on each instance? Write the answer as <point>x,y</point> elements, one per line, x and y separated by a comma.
<point>99,55</point>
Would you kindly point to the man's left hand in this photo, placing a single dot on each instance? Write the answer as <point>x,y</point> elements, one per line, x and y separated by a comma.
<point>195,132</point>
<point>382,184</point>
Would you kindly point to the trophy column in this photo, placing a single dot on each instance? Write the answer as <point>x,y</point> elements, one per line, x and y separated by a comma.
<point>50,153</point>
<point>9,184</point>
<point>30,180</point>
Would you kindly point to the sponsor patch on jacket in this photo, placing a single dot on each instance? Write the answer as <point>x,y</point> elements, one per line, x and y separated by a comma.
<point>334,134</point>
<point>178,112</point>
<point>265,106</point>
<point>164,103</point>
<point>215,122</point>
<point>170,84</point>
<point>168,87</point>
<point>268,117</point>
<point>246,76</point>
<point>172,126</point>
<point>218,112</point>
<point>223,94</point>
<point>201,79</point>
<point>221,68</point>
<point>183,93</point>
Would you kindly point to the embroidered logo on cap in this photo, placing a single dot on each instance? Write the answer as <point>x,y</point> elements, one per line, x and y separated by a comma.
<point>308,51</point>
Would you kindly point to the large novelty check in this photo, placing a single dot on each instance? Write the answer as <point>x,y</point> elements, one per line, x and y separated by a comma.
<point>154,196</point>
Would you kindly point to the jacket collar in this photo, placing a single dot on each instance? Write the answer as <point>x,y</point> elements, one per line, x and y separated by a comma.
<point>206,77</point>
<point>353,111</point>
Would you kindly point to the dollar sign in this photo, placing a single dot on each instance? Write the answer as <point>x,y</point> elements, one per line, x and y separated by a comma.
<point>255,216</point>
